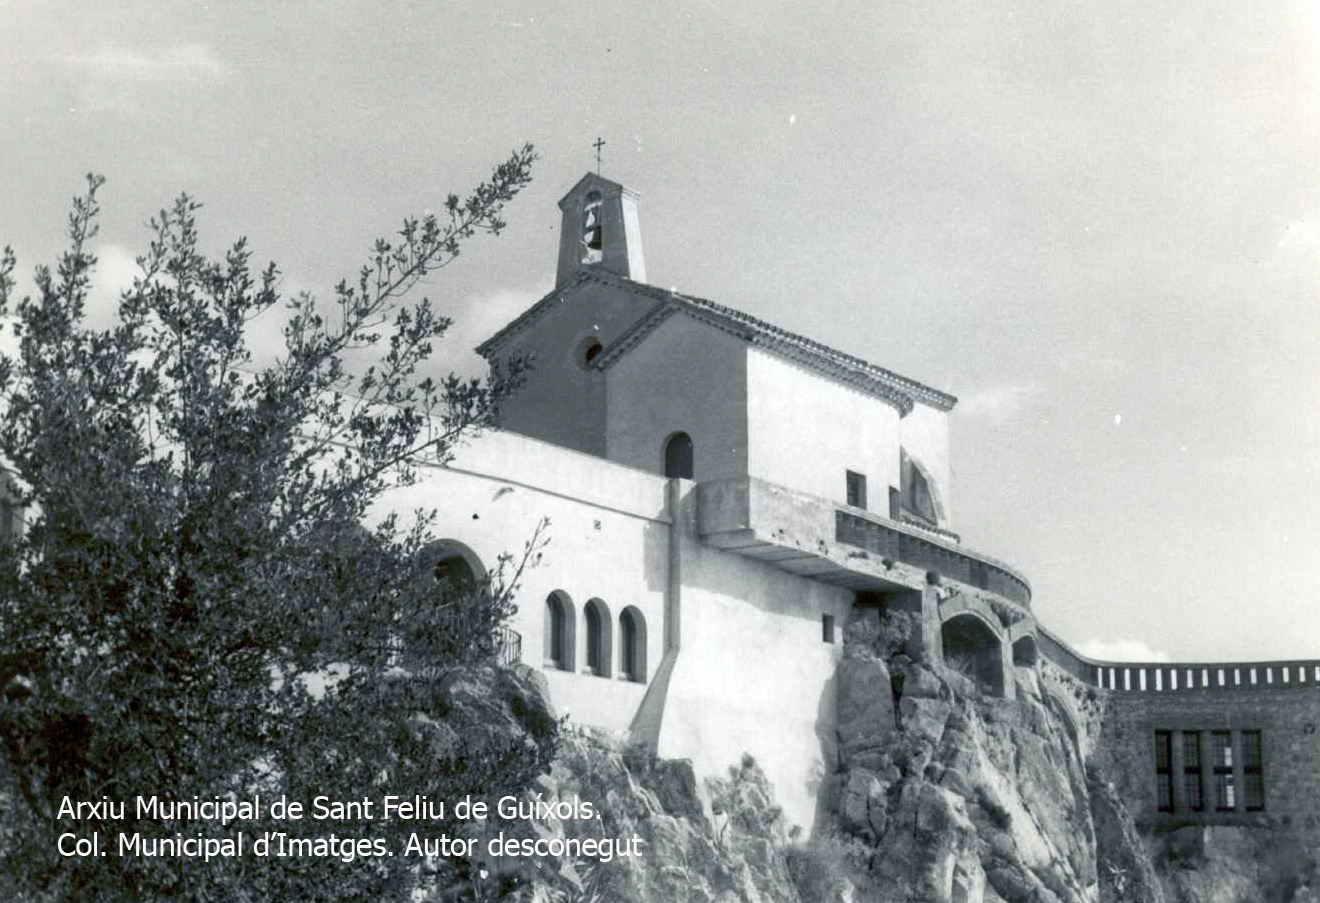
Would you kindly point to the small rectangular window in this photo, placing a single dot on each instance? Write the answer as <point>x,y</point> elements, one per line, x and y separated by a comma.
<point>856,489</point>
<point>1221,753</point>
<point>1253,771</point>
<point>827,628</point>
<point>1192,770</point>
<point>1163,771</point>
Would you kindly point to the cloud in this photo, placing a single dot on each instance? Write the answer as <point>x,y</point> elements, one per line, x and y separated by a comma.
<point>1301,236</point>
<point>1121,651</point>
<point>998,403</point>
<point>476,318</point>
<point>116,267</point>
<point>185,61</point>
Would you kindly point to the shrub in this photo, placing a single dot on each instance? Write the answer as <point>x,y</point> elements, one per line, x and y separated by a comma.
<point>819,866</point>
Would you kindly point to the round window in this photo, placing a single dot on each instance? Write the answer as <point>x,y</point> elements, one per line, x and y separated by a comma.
<point>588,350</point>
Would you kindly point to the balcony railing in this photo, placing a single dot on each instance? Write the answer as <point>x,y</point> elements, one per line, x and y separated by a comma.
<point>508,646</point>
<point>898,543</point>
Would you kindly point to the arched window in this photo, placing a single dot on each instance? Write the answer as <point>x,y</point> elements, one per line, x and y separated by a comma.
<point>679,456</point>
<point>593,232</point>
<point>560,627</point>
<point>600,648</point>
<point>632,636</point>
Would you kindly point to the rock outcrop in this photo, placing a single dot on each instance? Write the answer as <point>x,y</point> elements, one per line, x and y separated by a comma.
<point>943,794</point>
<point>962,797</point>
<point>717,841</point>
<point>1236,865</point>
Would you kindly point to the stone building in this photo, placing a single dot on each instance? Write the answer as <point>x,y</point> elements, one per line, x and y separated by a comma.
<point>724,495</point>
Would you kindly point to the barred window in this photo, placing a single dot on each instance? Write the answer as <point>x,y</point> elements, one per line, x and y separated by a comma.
<point>1192,771</point>
<point>1253,771</point>
<point>1221,752</point>
<point>1164,771</point>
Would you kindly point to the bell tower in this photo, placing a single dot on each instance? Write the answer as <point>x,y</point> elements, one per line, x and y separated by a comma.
<point>599,229</point>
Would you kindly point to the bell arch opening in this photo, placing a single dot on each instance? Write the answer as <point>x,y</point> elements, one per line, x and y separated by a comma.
<point>593,229</point>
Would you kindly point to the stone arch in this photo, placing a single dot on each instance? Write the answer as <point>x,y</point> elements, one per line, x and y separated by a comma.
<point>1021,636</point>
<point>679,457</point>
<point>560,637</point>
<point>974,646</point>
<point>600,637</point>
<point>1025,652</point>
<point>632,645</point>
<point>967,603</point>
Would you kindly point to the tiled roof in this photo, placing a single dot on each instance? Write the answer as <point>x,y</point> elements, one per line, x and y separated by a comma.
<point>552,300</point>
<point>887,385</point>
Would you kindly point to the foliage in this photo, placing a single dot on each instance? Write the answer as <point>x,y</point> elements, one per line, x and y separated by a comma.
<point>194,609</point>
<point>963,664</point>
<point>896,630</point>
<point>818,867</point>
<point>745,798</point>
<point>1000,817</point>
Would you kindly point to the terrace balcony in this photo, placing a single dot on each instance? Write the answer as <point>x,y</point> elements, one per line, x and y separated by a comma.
<point>851,547</point>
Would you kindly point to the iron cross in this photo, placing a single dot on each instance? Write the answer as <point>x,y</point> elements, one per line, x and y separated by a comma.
<point>600,142</point>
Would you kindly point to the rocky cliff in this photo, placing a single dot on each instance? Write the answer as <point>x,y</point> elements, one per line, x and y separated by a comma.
<point>963,797</point>
<point>943,794</point>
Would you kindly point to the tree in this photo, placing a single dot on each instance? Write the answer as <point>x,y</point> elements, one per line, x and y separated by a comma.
<point>195,609</point>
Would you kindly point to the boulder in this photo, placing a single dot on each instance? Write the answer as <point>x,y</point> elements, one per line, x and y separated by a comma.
<point>865,705</point>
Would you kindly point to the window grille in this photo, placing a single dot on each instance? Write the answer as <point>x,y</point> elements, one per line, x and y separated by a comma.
<point>1163,771</point>
<point>1221,749</point>
<point>1192,771</point>
<point>1253,771</point>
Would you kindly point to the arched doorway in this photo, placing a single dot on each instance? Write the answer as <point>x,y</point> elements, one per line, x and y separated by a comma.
<point>453,565</point>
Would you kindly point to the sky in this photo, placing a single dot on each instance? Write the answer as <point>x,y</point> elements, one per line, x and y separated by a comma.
<point>1096,224</point>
